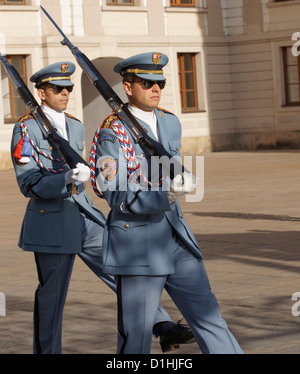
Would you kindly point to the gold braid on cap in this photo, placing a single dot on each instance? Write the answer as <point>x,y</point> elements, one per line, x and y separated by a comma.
<point>140,71</point>
<point>54,79</point>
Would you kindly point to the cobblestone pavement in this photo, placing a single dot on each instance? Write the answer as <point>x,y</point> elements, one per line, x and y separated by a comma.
<point>248,228</point>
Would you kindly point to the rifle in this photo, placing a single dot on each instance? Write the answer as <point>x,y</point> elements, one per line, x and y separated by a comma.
<point>149,146</point>
<point>68,153</point>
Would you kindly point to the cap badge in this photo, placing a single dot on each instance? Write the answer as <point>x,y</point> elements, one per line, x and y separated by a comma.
<point>64,68</point>
<point>156,58</point>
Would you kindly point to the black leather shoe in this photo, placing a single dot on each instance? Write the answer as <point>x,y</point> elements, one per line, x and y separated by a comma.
<point>178,334</point>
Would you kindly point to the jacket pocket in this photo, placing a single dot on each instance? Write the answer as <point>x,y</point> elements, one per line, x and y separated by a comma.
<point>43,223</point>
<point>128,243</point>
<point>49,155</point>
<point>175,146</point>
<point>80,146</point>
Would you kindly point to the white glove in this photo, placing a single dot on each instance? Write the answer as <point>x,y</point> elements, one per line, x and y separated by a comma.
<point>181,185</point>
<point>80,174</point>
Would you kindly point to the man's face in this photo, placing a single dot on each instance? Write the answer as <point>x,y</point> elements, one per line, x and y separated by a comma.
<point>52,98</point>
<point>141,97</point>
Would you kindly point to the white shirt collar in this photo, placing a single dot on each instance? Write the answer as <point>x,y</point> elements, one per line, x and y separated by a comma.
<point>57,119</point>
<point>147,117</point>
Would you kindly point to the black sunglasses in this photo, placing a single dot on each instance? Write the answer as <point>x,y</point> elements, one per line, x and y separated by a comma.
<point>146,84</point>
<point>58,89</point>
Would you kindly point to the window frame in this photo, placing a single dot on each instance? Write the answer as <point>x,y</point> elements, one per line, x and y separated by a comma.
<point>174,3</point>
<point>287,101</point>
<point>115,2</point>
<point>182,83</point>
<point>11,2</point>
<point>11,89</point>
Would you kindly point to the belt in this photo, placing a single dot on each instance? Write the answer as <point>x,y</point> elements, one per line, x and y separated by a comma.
<point>76,190</point>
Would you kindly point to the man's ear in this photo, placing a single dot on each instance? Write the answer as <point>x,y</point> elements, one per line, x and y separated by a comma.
<point>41,94</point>
<point>127,88</point>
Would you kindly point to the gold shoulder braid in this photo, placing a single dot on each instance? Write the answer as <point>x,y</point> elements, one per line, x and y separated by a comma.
<point>108,122</point>
<point>72,117</point>
<point>25,117</point>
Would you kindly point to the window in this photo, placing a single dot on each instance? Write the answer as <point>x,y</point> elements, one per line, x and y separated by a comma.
<point>291,77</point>
<point>13,105</point>
<point>188,82</point>
<point>12,1</point>
<point>120,2</point>
<point>182,2</point>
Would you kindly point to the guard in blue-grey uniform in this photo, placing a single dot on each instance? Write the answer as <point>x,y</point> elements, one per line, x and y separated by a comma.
<point>158,249</point>
<point>60,220</point>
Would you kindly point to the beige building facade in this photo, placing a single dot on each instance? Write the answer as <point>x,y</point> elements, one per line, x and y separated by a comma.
<point>232,78</point>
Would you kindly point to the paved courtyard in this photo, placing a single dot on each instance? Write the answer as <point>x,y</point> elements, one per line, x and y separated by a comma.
<point>248,228</point>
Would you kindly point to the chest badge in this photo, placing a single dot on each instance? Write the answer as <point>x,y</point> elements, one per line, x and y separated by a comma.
<point>109,168</point>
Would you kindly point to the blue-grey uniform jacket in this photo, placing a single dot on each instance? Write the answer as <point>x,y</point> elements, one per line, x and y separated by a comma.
<point>52,221</point>
<point>140,228</point>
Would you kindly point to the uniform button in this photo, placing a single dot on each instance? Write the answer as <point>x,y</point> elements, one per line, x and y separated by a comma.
<point>177,149</point>
<point>42,211</point>
<point>50,148</point>
<point>142,155</point>
<point>126,226</point>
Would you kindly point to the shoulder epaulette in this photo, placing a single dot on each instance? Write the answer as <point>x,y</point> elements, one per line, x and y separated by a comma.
<point>25,117</point>
<point>165,111</point>
<point>108,122</point>
<point>72,117</point>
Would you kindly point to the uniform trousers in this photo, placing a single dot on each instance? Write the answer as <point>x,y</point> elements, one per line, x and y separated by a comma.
<point>189,288</point>
<point>54,273</point>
